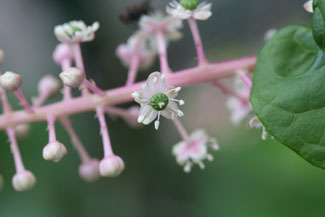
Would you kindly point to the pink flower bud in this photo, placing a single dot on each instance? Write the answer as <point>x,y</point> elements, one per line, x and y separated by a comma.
<point>23,181</point>
<point>54,151</point>
<point>111,166</point>
<point>62,53</point>
<point>89,171</point>
<point>22,131</point>
<point>48,86</point>
<point>10,81</point>
<point>72,77</point>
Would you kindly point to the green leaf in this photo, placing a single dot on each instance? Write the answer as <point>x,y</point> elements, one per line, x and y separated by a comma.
<point>318,22</point>
<point>288,93</point>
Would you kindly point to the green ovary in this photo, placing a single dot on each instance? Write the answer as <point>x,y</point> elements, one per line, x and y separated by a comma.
<point>159,101</point>
<point>190,4</point>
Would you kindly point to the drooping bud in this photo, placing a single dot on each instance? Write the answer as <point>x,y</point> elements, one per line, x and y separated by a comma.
<point>62,53</point>
<point>48,86</point>
<point>111,166</point>
<point>89,171</point>
<point>190,4</point>
<point>54,151</point>
<point>22,131</point>
<point>10,81</point>
<point>309,6</point>
<point>1,182</point>
<point>23,181</point>
<point>72,77</point>
<point>2,56</point>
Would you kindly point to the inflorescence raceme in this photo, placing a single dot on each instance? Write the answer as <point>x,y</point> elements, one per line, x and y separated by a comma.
<point>156,96</point>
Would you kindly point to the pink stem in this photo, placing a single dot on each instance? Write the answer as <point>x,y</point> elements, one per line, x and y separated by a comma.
<point>51,128</point>
<point>66,122</point>
<point>181,130</point>
<point>134,66</point>
<point>4,100</point>
<point>38,101</point>
<point>197,41</point>
<point>246,79</point>
<point>22,99</point>
<point>15,150</point>
<point>197,75</point>
<point>162,50</point>
<point>228,91</point>
<point>108,151</point>
<point>80,64</point>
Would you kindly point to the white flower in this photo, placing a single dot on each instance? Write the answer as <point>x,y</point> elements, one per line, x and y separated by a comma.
<point>201,12</point>
<point>309,6</point>
<point>139,47</point>
<point>111,166</point>
<point>195,150</point>
<point>62,53</point>
<point>269,34</point>
<point>10,81</point>
<point>23,181</point>
<point>76,32</point>
<point>169,26</point>
<point>72,77</point>
<point>54,151</point>
<point>157,98</point>
<point>239,105</point>
<point>256,123</point>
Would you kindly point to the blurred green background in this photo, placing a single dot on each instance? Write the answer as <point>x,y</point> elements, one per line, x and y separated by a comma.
<point>248,178</point>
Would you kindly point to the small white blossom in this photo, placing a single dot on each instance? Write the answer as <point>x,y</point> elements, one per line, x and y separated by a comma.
<point>76,32</point>
<point>256,123</point>
<point>195,151</point>
<point>22,131</point>
<point>89,170</point>
<point>201,12</point>
<point>169,26</point>
<point>10,81</point>
<point>139,47</point>
<point>269,34</point>
<point>54,151</point>
<point>72,77</point>
<point>111,166</point>
<point>309,6</point>
<point>239,105</point>
<point>23,181</point>
<point>157,98</point>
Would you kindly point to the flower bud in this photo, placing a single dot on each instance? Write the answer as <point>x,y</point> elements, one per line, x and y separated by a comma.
<point>10,81</point>
<point>1,182</point>
<point>111,166</point>
<point>72,77</point>
<point>89,171</point>
<point>309,6</point>
<point>2,56</point>
<point>54,151</point>
<point>48,85</point>
<point>61,53</point>
<point>22,131</point>
<point>23,181</point>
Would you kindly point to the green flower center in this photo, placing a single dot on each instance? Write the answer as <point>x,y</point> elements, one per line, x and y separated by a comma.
<point>74,31</point>
<point>190,4</point>
<point>159,101</point>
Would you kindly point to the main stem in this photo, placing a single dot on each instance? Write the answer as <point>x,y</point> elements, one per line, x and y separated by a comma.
<point>162,50</point>
<point>204,74</point>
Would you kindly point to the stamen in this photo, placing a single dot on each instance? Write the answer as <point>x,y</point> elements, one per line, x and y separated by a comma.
<point>157,122</point>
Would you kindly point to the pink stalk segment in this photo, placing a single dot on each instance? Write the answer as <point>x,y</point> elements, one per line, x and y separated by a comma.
<point>197,41</point>
<point>22,99</point>
<point>245,78</point>
<point>181,129</point>
<point>79,63</point>
<point>133,70</point>
<point>108,151</point>
<point>15,150</point>
<point>162,50</point>
<point>226,90</point>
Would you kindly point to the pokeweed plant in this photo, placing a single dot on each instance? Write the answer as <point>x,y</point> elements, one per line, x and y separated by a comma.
<point>286,93</point>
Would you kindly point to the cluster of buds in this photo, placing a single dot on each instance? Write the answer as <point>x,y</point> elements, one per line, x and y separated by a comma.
<point>156,97</point>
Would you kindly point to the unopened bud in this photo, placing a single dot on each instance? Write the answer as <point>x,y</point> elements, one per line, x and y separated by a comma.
<point>22,131</point>
<point>2,56</point>
<point>61,53</point>
<point>10,81</point>
<point>23,181</point>
<point>89,171</point>
<point>54,151</point>
<point>72,77</point>
<point>48,86</point>
<point>111,166</point>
